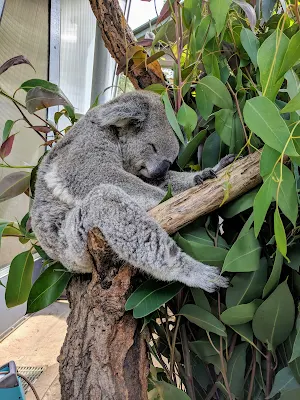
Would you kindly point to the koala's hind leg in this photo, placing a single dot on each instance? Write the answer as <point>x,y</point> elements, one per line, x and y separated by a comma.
<point>138,239</point>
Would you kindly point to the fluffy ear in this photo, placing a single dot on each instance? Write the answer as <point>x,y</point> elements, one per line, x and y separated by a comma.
<point>130,108</point>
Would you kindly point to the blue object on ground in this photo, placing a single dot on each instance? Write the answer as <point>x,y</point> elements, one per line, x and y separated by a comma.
<point>10,384</point>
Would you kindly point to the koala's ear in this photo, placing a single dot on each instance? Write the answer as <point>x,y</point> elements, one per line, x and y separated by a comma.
<point>124,110</point>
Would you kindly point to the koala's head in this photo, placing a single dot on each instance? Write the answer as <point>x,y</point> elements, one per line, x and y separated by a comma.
<point>147,141</point>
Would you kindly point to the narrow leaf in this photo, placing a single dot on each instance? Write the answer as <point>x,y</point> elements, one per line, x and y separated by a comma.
<point>219,10</point>
<point>187,153</point>
<point>251,44</point>
<point>236,370</point>
<point>203,318</point>
<point>6,147</point>
<point>171,117</point>
<point>14,61</point>
<point>240,314</point>
<point>14,184</point>
<point>280,235</point>
<point>275,275</point>
<point>7,129</point>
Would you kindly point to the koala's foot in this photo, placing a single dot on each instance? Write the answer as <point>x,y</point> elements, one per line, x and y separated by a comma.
<point>224,162</point>
<point>207,173</point>
<point>206,277</point>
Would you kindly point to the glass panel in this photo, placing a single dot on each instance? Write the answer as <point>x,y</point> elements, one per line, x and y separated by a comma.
<point>23,30</point>
<point>78,27</point>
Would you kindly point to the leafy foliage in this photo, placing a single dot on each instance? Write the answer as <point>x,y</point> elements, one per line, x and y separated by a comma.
<point>235,89</point>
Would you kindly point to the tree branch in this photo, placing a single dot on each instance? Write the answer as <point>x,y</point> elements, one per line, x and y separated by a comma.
<point>118,38</point>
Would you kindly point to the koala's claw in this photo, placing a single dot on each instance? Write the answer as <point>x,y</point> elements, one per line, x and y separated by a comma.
<point>225,161</point>
<point>207,173</point>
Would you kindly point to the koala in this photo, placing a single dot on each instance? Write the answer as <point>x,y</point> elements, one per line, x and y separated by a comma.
<point>106,172</point>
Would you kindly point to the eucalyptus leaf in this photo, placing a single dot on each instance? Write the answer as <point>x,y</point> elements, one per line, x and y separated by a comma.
<point>284,381</point>
<point>203,318</point>
<point>39,98</point>
<point>280,235</point>
<point>187,153</point>
<point>270,58</point>
<point>206,254</point>
<point>291,395</point>
<point>187,118</point>
<point>150,296</point>
<point>274,319</point>
<point>211,150</point>
<point>219,10</point>
<point>236,370</point>
<point>170,392</point>
<point>247,286</point>
<point>200,299</point>
<point>171,117</point>
<point>240,314</point>
<point>216,92</point>
<point>263,118</point>
<point>262,203</point>
<point>251,44</point>
<point>7,129</point>
<point>241,204</point>
<point>205,32</point>
<point>292,54</point>
<point>224,125</point>
<point>293,255</point>
<point>275,275</point>
<point>244,254</point>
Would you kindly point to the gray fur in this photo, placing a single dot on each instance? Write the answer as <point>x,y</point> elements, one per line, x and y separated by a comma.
<point>92,178</point>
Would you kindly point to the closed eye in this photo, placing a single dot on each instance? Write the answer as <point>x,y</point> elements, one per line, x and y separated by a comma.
<point>153,147</point>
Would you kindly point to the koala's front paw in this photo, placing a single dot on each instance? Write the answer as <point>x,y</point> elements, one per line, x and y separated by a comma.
<point>207,173</point>
<point>225,161</point>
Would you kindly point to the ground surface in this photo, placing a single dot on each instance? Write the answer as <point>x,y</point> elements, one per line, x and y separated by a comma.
<point>37,343</point>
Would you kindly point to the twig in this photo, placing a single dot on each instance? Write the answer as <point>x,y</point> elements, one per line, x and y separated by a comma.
<point>163,364</point>
<point>297,11</point>
<point>187,362</point>
<point>29,123</point>
<point>252,375</point>
<point>269,374</point>
<point>172,355</point>
<point>240,114</point>
<point>178,28</point>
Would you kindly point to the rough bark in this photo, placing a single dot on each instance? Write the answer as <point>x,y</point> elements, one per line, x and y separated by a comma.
<point>104,355</point>
<point>119,39</point>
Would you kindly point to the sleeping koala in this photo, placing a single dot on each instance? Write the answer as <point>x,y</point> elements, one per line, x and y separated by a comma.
<point>107,172</point>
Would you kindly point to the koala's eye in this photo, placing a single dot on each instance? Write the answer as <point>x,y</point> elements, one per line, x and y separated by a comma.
<point>153,147</point>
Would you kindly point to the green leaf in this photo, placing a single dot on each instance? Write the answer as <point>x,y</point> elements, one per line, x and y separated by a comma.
<point>14,184</point>
<point>245,332</point>
<point>280,235</point>
<point>270,58</point>
<point>200,372</point>
<point>224,125</point>
<point>203,347</point>
<point>200,235</point>
<point>168,195</point>
<point>283,382</point>
<point>251,44</point>
<point>263,118</point>
<point>216,92</point>
<point>238,206</point>
<point>200,299</point>
<point>287,198</point>
<point>187,153</point>
<point>203,318</point>
<point>219,10</point>
<point>293,83</point>
<point>293,255</point>
<point>262,203</point>
<point>48,287</point>
<point>211,150</point>
<point>247,226</point>
<point>275,275</point>
<point>187,118</point>
<point>32,83</point>
<point>150,296</point>
<point>243,255</point>
<point>19,279</point>
<point>274,319</point>
<point>291,395</point>
<point>204,103</point>
<point>156,88</point>
<point>170,392</point>
<point>41,252</point>
<point>206,254</point>
<point>236,370</point>
<point>205,32</point>
<point>292,54</point>
<point>240,314</point>
<point>171,117</point>
<point>267,7</point>
<point>296,347</point>
<point>292,105</point>
<point>247,286</point>
<point>268,160</point>
<point>2,228</point>
<point>7,129</point>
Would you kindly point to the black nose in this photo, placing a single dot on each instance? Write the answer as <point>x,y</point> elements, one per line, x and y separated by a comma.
<point>161,170</point>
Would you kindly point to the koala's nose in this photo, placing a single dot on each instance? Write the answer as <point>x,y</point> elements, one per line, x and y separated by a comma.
<point>161,170</point>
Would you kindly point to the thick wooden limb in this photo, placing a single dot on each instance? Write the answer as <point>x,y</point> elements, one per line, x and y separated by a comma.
<point>104,355</point>
<point>233,181</point>
<point>118,38</point>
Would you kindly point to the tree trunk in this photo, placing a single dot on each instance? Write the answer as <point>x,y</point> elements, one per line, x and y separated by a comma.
<point>119,39</point>
<point>104,355</point>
